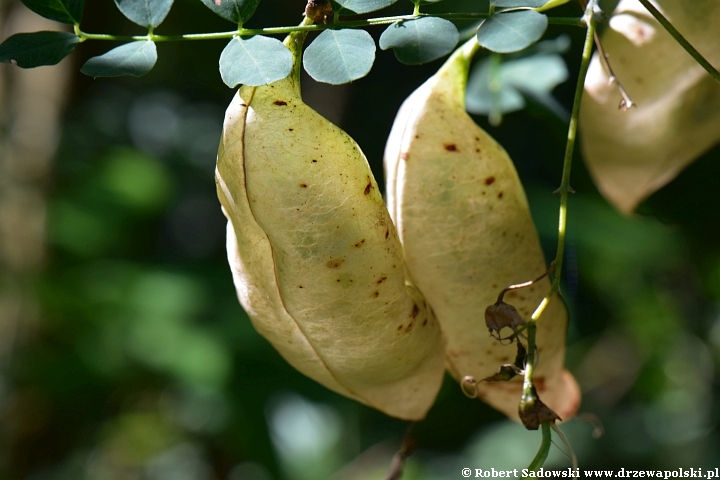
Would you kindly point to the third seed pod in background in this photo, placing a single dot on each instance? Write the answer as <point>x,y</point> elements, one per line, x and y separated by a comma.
<point>463,218</point>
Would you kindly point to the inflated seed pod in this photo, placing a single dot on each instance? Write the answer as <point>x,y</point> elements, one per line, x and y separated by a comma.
<point>676,117</point>
<point>314,254</point>
<point>466,229</point>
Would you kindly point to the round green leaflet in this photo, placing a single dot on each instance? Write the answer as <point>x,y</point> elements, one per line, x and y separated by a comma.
<point>538,75</point>
<point>146,13</point>
<point>64,11</point>
<point>340,56</point>
<point>29,50</point>
<point>420,41</point>
<point>360,6</point>
<point>254,61</point>
<point>512,31</point>
<point>136,59</point>
<point>236,11</point>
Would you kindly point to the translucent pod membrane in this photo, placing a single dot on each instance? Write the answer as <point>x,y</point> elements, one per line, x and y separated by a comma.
<point>465,225</point>
<point>315,257</point>
<point>676,112</point>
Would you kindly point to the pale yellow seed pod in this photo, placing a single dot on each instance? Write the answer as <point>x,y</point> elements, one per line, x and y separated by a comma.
<point>466,229</point>
<point>315,256</point>
<point>676,116</point>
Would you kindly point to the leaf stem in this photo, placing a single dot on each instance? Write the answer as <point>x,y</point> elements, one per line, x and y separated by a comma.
<point>681,40</point>
<point>564,191</point>
<point>573,21</point>
<point>542,453</point>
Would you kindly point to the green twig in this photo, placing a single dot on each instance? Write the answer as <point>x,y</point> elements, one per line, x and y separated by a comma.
<point>564,191</point>
<point>495,84</point>
<point>542,453</point>
<point>299,28</point>
<point>681,40</point>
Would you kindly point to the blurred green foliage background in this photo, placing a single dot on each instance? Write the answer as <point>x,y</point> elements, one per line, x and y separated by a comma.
<point>125,355</point>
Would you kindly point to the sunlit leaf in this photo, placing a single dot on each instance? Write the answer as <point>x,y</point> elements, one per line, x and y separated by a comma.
<point>237,11</point>
<point>340,56</point>
<point>420,41</point>
<point>147,13</point>
<point>64,11</point>
<point>29,50</point>
<point>136,59</point>
<point>254,61</point>
<point>512,31</point>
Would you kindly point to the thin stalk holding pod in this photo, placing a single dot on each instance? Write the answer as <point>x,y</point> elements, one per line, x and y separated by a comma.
<point>564,190</point>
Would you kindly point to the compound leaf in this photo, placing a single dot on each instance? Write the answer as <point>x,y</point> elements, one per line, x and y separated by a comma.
<point>535,75</point>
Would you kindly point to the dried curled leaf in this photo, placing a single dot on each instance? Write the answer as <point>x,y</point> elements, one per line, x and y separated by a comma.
<point>533,412</point>
<point>633,153</point>
<point>465,225</point>
<point>501,315</point>
<point>315,257</point>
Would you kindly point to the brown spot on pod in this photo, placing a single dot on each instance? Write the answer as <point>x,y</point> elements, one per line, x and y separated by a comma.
<point>500,195</point>
<point>368,187</point>
<point>279,103</point>
<point>335,263</point>
<point>360,243</point>
<point>375,294</point>
<point>415,311</point>
<point>489,180</point>
<point>382,279</point>
<point>450,147</point>
<point>303,185</point>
